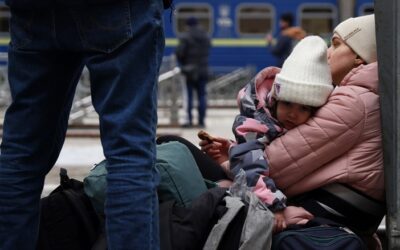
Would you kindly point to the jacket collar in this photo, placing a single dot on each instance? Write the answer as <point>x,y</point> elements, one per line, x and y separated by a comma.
<point>364,76</point>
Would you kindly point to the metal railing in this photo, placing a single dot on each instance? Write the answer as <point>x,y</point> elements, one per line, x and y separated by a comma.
<point>168,94</point>
<point>221,91</point>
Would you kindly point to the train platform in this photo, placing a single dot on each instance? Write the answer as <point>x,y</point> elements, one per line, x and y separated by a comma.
<point>79,154</point>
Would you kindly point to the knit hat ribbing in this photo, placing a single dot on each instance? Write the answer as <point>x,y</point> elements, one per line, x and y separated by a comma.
<point>359,34</point>
<point>305,77</point>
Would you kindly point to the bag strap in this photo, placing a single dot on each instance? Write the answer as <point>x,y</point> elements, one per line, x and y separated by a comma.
<point>344,205</point>
<point>76,201</point>
<point>64,179</point>
<point>234,205</point>
<point>356,199</point>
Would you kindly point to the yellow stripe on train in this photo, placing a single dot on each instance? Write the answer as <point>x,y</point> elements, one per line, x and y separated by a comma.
<point>217,42</point>
<point>4,41</point>
<point>220,42</point>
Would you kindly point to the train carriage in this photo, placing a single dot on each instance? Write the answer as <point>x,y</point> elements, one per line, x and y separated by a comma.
<point>238,28</point>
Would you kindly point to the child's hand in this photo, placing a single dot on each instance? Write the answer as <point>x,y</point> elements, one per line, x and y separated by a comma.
<point>217,149</point>
<point>203,135</point>
<point>280,223</point>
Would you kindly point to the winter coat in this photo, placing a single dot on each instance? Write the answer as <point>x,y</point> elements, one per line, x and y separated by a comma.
<point>192,53</point>
<point>341,143</point>
<point>254,128</point>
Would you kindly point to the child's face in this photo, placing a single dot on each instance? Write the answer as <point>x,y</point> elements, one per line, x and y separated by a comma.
<point>292,114</point>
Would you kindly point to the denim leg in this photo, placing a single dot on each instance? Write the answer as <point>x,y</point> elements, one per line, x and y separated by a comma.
<point>202,99</point>
<point>124,93</point>
<point>189,89</point>
<point>33,134</point>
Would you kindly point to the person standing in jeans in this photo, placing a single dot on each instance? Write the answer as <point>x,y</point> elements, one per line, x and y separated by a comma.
<point>192,54</point>
<point>121,42</point>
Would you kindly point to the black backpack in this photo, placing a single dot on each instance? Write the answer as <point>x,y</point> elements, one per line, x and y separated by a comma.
<point>187,228</point>
<point>68,219</point>
<point>214,222</point>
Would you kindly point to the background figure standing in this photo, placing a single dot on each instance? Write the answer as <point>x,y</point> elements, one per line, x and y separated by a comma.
<point>192,54</point>
<point>287,39</point>
<point>121,42</point>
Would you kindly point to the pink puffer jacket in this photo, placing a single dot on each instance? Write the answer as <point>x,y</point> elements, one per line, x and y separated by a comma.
<point>341,143</point>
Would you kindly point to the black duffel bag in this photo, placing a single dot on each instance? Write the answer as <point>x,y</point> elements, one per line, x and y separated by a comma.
<point>317,234</point>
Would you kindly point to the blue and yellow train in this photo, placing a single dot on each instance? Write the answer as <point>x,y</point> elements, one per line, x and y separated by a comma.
<point>238,27</point>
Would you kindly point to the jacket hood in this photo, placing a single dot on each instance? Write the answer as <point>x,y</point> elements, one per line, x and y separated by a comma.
<point>364,76</point>
<point>257,93</point>
<point>263,84</point>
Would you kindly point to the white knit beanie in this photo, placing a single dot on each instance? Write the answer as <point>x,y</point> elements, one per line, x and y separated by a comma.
<point>305,77</point>
<point>359,34</point>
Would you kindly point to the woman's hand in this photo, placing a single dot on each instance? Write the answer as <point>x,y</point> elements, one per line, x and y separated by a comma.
<point>280,223</point>
<point>217,149</point>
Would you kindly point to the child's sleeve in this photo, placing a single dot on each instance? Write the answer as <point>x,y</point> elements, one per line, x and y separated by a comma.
<point>249,156</point>
<point>262,125</point>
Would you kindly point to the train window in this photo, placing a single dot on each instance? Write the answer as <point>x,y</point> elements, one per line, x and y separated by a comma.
<point>254,19</point>
<point>366,9</point>
<point>4,20</point>
<point>203,12</point>
<point>318,19</point>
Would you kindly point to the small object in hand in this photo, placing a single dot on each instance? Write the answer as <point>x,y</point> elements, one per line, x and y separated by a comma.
<point>203,135</point>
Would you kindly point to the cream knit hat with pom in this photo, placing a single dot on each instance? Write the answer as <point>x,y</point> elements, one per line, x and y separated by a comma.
<point>305,77</point>
<point>359,34</point>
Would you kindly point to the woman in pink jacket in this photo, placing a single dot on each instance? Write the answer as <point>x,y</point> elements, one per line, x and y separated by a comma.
<point>332,166</point>
<point>340,144</point>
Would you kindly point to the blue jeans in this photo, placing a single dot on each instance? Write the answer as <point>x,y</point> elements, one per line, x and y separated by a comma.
<point>122,46</point>
<point>200,87</point>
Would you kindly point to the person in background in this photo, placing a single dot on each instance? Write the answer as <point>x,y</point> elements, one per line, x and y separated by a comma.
<point>121,43</point>
<point>192,54</point>
<point>287,39</point>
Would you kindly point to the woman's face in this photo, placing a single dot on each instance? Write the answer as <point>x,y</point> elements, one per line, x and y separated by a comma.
<point>291,114</point>
<point>341,59</point>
